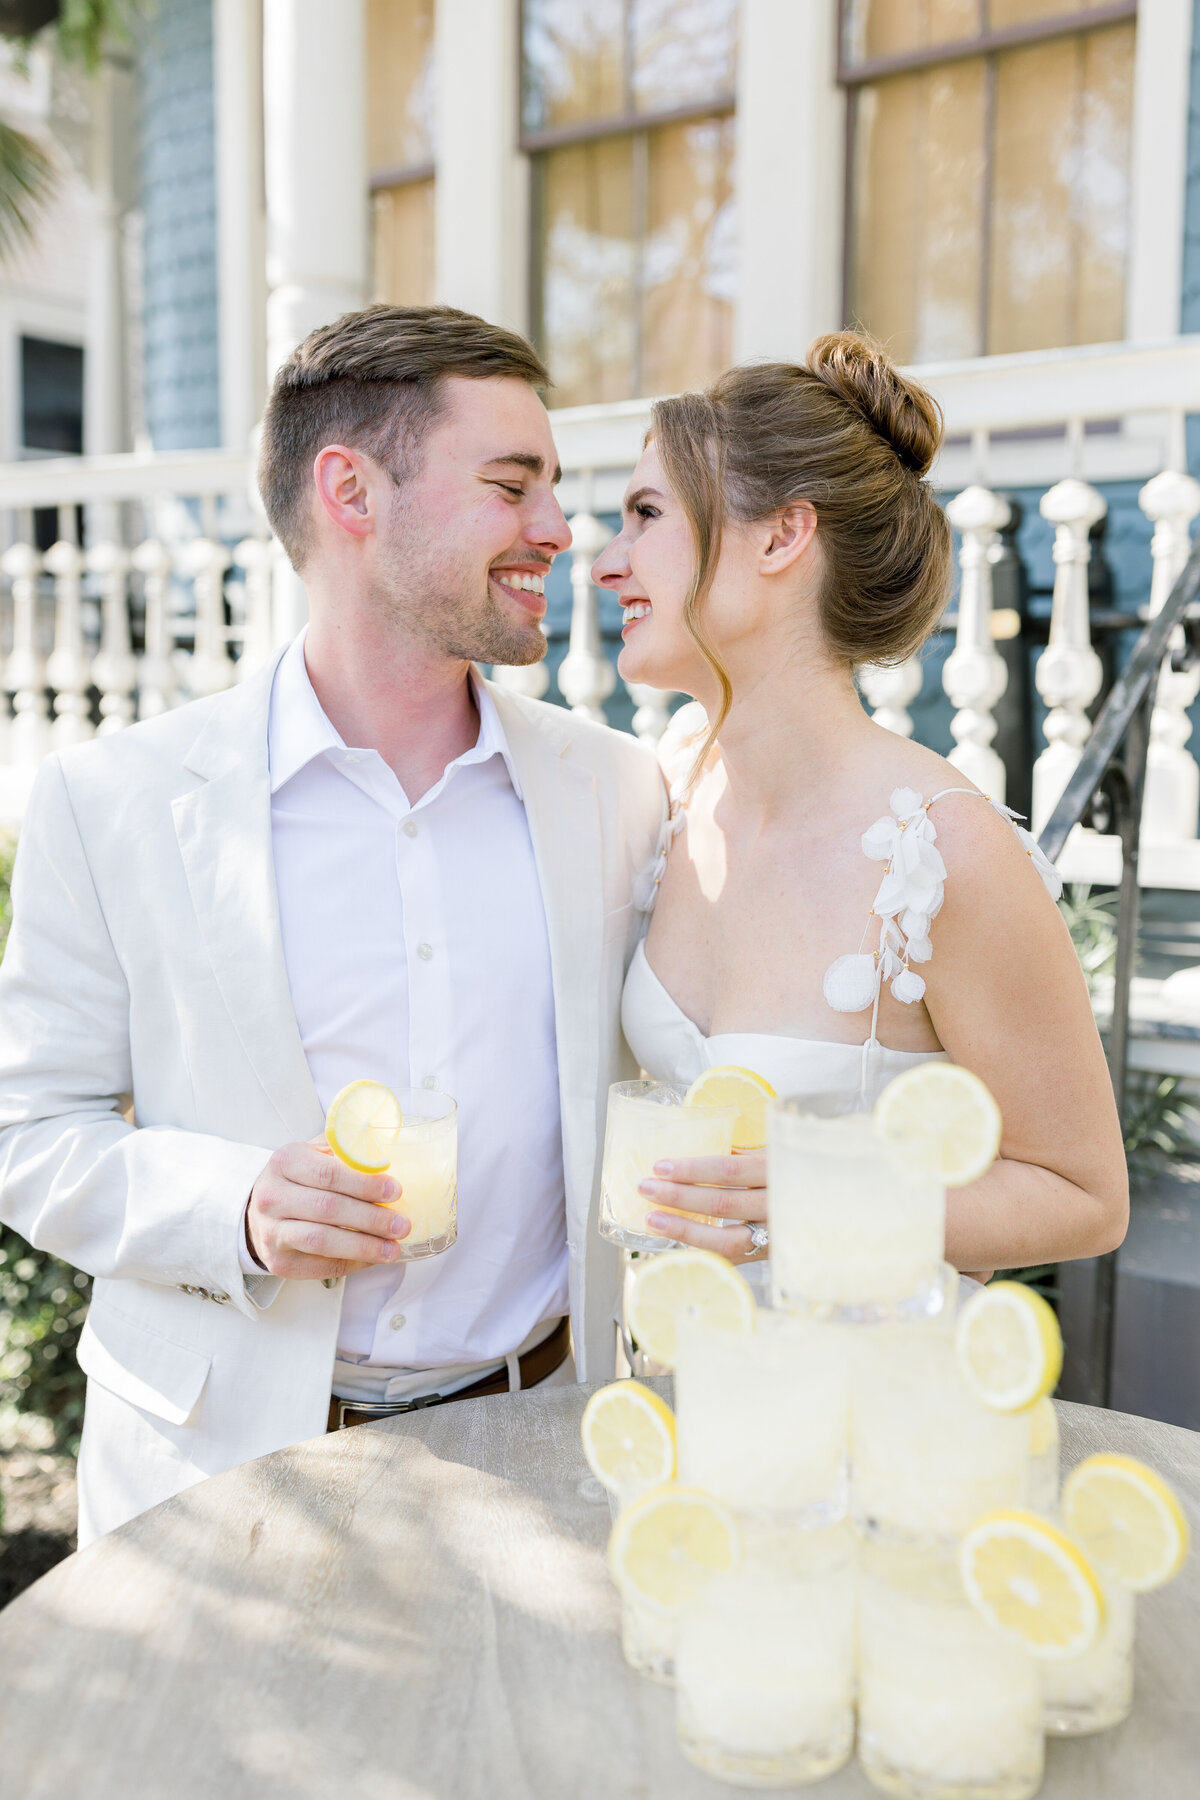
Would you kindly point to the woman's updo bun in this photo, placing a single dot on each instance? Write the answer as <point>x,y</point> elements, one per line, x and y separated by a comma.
<point>903,413</point>
<point>853,436</point>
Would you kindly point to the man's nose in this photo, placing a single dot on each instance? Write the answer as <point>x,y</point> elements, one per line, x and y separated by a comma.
<point>550,530</point>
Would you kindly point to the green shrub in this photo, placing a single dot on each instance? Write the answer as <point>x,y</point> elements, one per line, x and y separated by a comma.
<point>43,1302</point>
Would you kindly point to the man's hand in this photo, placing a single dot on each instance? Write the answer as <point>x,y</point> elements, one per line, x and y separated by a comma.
<point>311,1218</point>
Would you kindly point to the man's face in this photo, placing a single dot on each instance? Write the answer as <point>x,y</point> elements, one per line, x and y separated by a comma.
<point>465,543</point>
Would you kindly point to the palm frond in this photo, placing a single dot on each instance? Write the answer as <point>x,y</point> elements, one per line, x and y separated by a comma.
<point>27,176</point>
<point>86,28</point>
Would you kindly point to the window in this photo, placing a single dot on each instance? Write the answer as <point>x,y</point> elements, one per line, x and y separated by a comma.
<point>51,397</point>
<point>627,112</point>
<point>989,173</point>
<point>400,154</point>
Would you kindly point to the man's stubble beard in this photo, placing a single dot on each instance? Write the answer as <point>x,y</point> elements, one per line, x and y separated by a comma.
<point>438,601</point>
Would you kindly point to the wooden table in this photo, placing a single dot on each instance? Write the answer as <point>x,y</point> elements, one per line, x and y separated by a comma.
<point>418,1610</point>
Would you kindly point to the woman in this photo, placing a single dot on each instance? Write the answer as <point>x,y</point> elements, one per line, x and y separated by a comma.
<point>777,532</point>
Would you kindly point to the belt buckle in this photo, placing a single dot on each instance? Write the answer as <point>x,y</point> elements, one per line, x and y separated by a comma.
<point>382,1409</point>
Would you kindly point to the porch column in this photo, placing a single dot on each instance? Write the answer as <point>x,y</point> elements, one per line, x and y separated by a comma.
<point>241,221</point>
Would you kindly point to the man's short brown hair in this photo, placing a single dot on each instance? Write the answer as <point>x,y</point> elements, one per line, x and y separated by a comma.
<point>375,381</point>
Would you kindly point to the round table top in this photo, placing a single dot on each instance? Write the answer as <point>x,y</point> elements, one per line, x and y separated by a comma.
<point>418,1609</point>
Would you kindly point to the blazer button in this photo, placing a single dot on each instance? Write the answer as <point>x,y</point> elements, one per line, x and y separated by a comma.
<point>329,1281</point>
<point>185,1289</point>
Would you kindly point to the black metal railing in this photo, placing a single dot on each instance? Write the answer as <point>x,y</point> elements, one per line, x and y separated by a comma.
<point>1111,779</point>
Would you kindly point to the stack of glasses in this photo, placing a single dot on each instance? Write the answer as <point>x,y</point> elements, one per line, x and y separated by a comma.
<point>851,1529</point>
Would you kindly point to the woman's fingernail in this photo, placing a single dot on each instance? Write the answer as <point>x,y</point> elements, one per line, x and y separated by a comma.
<point>397,1225</point>
<point>648,1187</point>
<point>389,1252</point>
<point>390,1190</point>
<point>658,1219</point>
<point>664,1168</point>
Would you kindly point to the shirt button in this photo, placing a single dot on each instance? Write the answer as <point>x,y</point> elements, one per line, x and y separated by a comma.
<point>397,1321</point>
<point>430,1081</point>
<point>409,828</point>
<point>424,951</point>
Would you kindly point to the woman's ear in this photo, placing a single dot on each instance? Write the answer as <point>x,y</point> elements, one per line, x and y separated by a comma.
<point>789,535</point>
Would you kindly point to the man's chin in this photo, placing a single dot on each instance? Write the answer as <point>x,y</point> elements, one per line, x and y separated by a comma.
<point>515,648</point>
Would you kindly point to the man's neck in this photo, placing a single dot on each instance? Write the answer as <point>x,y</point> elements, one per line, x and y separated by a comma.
<point>415,707</point>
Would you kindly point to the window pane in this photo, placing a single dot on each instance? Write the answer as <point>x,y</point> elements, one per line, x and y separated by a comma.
<point>689,257</point>
<point>916,256</point>
<point>574,62</point>
<point>890,27</point>
<point>1060,212</point>
<point>400,93</point>
<point>402,244</point>
<point>587,257</point>
<point>1002,13</point>
<point>683,51</point>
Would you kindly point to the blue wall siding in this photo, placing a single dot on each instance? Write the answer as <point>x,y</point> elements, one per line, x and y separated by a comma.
<point>179,198</point>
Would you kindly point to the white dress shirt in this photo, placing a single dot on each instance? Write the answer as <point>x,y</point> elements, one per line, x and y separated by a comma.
<point>417,955</point>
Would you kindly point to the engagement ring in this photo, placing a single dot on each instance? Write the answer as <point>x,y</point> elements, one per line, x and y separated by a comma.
<point>759,1237</point>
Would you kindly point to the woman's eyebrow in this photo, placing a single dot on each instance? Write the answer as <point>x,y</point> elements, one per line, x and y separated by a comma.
<point>641,493</point>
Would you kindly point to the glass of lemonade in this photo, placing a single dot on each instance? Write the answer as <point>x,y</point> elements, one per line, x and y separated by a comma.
<point>762,1417</point>
<point>927,1457</point>
<point>764,1668</point>
<point>647,1121</point>
<point>947,1708</point>
<point>858,1224</point>
<point>425,1164</point>
<point>1094,1691</point>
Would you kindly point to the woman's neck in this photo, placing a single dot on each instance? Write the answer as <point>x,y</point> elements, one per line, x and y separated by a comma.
<point>791,736</point>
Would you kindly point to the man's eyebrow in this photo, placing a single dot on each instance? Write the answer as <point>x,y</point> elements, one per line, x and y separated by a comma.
<point>524,459</point>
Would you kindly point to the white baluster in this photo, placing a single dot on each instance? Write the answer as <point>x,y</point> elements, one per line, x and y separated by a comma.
<point>586,677</point>
<point>206,561</point>
<point>891,689</point>
<point>25,670</point>
<point>156,670</point>
<point>1172,797</point>
<point>975,675</point>
<point>256,557</point>
<point>652,710</point>
<point>69,670</point>
<point>1068,672</point>
<point>114,669</point>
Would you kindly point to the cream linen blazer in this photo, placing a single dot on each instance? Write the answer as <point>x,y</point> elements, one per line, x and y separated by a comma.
<point>145,959</point>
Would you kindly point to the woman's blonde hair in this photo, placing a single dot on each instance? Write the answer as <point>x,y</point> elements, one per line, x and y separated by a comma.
<point>853,436</point>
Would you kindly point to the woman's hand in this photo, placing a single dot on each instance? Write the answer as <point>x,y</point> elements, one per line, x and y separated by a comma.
<point>723,1187</point>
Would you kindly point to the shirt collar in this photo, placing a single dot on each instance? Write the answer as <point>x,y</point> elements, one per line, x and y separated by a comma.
<point>298,730</point>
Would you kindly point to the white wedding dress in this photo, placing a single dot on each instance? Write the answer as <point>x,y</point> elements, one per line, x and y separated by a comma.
<point>671,1048</point>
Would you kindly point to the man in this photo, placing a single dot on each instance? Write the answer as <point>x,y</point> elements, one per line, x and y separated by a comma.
<point>364,861</point>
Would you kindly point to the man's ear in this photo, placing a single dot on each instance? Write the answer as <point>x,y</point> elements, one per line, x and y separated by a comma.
<point>344,489</point>
<point>789,535</point>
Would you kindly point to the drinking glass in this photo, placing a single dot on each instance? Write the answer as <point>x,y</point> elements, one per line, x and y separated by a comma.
<point>425,1164</point>
<point>947,1708</point>
<point>764,1669</point>
<point>927,1457</point>
<point>762,1416</point>
<point>858,1223</point>
<point>1094,1691</point>
<point>648,1121</point>
<point>1044,1457</point>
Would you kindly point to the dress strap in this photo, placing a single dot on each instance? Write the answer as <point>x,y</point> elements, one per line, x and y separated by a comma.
<point>909,899</point>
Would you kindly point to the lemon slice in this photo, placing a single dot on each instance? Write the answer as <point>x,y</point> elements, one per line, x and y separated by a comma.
<point>1009,1346</point>
<point>628,1437</point>
<point>687,1280</point>
<point>1031,1583</point>
<point>947,1115</point>
<point>743,1089</point>
<point>670,1543</point>
<point>361,1126</point>
<point>1128,1518</point>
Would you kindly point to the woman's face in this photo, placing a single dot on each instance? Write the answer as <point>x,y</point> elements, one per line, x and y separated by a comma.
<point>650,565</point>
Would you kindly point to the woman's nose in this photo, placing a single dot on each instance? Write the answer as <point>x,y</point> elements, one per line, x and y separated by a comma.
<point>611,564</point>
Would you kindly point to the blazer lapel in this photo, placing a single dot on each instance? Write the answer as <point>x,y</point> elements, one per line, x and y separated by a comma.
<point>564,824</point>
<point>223,827</point>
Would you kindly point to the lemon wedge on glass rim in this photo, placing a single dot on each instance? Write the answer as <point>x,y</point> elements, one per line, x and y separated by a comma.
<point>668,1545</point>
<point>691,1281</point>
<point>1009,1346</point>
<point>628,1437</point>
<point>361,1126</point>
<point>729,1085</point>
<point>1032,1584</point>
<point>946,1114</point>
<point>1128,1518</point>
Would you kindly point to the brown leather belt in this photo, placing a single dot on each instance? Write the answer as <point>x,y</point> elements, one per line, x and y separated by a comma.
<point>535,1365</point>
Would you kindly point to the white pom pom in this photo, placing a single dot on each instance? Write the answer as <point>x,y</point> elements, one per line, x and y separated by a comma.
<point>908,988</point>
<point>849,984</point>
